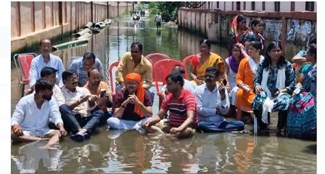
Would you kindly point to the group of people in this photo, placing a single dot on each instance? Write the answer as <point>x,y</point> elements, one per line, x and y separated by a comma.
<point>245,81</point>
<point>265,83</point>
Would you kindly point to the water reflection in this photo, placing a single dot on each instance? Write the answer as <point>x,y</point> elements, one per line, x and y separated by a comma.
<point>31,157</point>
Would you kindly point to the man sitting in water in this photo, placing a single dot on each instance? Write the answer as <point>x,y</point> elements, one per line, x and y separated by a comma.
<point>82,65</point>
<point>212,103</point>
<point>132,105</point>
<point>76,112</point>
<point>181,105</point>
<point>101,90</point>
<point>135,62</point>
<point>30,119</point>
<point>188,85</point>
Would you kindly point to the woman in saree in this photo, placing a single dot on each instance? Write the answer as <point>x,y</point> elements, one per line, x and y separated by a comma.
<point>302,115</point>
<point>200,62</point>
<point>238,31</point>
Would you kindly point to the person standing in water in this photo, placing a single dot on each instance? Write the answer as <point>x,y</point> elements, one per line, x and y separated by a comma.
<point>158,20</point>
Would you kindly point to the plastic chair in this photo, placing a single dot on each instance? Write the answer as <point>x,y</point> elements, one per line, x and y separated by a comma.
<point>111,79</point>
<point>162,68</point>
<point>23,64</point>
<point>187,64</point>
<point>155,57</point>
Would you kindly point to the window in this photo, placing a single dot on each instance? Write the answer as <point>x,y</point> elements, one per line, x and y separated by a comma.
<point>293,4</point>
<point>310,6</point>
<point>218,4</point>
<point>244,5</point>
<point>232,5</point>
<point>238,6</point>
<point>263,6</point>
<point>253,6</point>
<point>277,6</point>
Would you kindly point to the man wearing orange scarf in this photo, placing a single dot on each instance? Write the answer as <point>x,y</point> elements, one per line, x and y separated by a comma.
<point>132,105</point>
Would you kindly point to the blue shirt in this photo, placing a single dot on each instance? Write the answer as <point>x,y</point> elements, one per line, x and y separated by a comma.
<point>38,64</point>
<point>78,68</point>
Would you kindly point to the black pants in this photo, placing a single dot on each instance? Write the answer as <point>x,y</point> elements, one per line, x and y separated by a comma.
<point>73,121</point>
<point>282,119</point>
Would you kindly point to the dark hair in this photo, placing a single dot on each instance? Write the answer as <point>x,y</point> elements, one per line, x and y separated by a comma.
<point>267,61</point>
<point>180,69</point>
<point>88,73</point>
<point>207,42</point>
<point>43,84</point>
<point>212,70</point>
<point>41,41</point>
<point>241,55</point>
<point>47,71</point>
<point>257,45</point>
<point>89,56</point>
<point>138,44</point>
<point>240,18</point>
<point>67,74</point>
<point>176,77</point>
<point>255,22</point>
<point>312,49</point>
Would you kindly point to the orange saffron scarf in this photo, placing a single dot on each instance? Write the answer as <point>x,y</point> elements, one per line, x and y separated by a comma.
<point>140,90</point>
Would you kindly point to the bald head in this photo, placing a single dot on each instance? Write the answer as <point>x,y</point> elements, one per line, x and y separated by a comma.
<point>94,77</point>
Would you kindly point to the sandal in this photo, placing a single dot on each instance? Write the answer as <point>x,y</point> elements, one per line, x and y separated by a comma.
<point>77,137</point>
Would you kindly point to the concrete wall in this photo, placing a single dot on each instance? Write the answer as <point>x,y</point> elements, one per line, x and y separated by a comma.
<point>269,6</point>
<point>289,28</point>
<point>32,21</point>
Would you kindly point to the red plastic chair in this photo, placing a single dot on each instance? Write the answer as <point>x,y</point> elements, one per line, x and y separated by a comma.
<point>155,57</point>
<point>111,80</point>
<point>23,63</point>
<point>187,64</point>
<point>162,68</point>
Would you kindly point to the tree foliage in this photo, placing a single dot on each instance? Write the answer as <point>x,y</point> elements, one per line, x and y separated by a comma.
<point>168,10</point>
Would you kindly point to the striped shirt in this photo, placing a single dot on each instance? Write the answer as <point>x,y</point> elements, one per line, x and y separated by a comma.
<point>178,107</point>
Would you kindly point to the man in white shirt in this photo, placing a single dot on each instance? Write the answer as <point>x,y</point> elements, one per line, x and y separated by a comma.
<point>212,104</point>
<point>30,119</point>
<point>77,111</point>
<point>43,60</point>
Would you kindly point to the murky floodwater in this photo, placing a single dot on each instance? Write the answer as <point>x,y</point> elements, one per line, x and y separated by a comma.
<point>126,152</point>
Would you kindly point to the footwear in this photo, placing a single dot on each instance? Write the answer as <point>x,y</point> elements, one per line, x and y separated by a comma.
<point>77,137</point>
<point>86,135</point>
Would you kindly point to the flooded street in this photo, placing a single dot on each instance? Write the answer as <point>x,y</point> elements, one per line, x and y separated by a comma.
<point>133,152</point>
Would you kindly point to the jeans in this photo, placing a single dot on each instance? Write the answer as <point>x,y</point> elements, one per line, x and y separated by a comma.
<point>73,121</point>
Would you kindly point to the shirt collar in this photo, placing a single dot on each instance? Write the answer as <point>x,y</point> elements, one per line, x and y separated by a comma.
<point>142,61</point>
<point>182,95</point>
<point>77,89</point>
<point>43,58</point>
<point>213,91</point>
